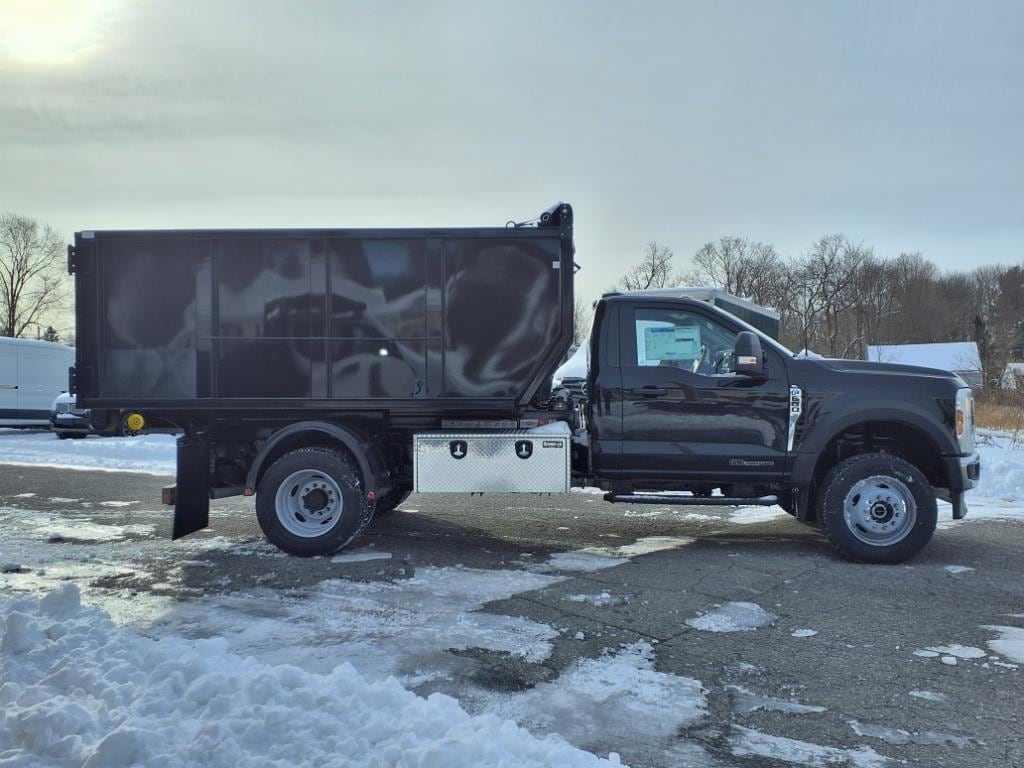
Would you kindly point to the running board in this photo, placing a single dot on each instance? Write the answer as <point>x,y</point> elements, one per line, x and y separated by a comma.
<point>692,501</point>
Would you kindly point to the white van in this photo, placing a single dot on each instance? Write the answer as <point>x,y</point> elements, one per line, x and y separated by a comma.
<point>32,374</point>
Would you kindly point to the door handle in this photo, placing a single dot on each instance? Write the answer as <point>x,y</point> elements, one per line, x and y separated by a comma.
<point>649,391</point>
<point>8,386</point>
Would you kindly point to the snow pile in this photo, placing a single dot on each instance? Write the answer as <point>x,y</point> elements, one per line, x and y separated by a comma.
<point>745,701</point>
<point>956,570</point>
<point>149,454</point>
<point>957,650</point>
<point>752,515</point>
<point>602,600</point>
<point>582,561</point>
<point>1002,469</point>
<point>614,698</point>
<point>360,556</point>
<point>405,628</point>
<point>751,743</point>
<point>1010,643</point>
<point>733,617</point>
<point>79,691</point>
<point>900,736</point>
<point>591,559</point>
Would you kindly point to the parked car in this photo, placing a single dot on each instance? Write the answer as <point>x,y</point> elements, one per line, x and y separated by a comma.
<point>572,374</point>
<point>67,419</point>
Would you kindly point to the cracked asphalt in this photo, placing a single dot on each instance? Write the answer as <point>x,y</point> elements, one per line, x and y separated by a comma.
<point>859,667</point>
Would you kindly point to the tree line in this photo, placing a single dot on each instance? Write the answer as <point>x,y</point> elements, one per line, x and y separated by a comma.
<point>839,297</point>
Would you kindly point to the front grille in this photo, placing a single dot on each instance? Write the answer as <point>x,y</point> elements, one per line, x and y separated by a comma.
<point>63,407</point>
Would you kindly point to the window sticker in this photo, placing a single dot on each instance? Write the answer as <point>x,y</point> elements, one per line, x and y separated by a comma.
<point>673,343</point>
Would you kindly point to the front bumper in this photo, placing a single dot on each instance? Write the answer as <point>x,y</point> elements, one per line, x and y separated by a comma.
<point>962,474</point>
<point>69,422</point>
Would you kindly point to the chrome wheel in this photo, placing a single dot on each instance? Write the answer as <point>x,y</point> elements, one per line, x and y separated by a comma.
<point>880,510</point>
<point>308,503</point>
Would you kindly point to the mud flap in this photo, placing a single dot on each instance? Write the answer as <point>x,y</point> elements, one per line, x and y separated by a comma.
<point>192,494</point>
<point>959,505</point>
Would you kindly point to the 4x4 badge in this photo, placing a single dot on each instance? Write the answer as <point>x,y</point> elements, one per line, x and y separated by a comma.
<point>458,449</point>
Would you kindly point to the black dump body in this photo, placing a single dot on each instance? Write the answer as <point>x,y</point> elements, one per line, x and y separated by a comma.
<point>446,320</point>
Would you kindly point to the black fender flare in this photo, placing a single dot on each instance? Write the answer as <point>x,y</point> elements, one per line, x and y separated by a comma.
<point>823,432</point>
<point>376,480</point>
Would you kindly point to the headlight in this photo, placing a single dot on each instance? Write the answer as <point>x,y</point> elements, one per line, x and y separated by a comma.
<point>965,420</point>
<point>556,382</point>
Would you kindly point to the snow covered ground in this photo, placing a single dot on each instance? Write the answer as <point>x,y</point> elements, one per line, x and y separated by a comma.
<point>152,454</point>
<point>78,690</point>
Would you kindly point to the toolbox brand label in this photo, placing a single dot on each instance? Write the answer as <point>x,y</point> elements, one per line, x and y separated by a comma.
<point>551,444</point>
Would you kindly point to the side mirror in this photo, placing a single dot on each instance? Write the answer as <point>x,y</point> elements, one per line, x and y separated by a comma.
<point>748,359</point>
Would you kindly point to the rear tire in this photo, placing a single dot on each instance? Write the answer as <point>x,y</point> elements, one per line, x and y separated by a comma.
<point>311,502</point>
<point>390,501</point>
<point>877,508</point>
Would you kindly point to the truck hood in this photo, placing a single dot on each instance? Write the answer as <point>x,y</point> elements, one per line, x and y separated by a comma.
<point>884,369</point>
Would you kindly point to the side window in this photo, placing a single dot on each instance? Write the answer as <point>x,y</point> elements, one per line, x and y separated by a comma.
<point>683,340</point>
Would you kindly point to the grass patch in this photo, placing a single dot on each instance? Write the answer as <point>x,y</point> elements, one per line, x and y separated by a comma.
<point>1001,416</point>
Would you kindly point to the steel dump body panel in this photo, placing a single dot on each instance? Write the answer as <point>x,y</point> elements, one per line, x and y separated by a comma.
<point>451,320</point>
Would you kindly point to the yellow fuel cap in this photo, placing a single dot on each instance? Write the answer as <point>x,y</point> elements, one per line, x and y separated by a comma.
<point>135,422</point>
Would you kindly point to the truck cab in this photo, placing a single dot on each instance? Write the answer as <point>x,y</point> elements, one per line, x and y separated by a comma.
<point>684,396</point>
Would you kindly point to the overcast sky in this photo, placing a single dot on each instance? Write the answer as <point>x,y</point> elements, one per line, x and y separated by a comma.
<point>897,123</point>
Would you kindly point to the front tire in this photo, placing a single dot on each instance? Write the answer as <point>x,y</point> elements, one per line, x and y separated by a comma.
<point>311,502</point>
<point>877,508</point>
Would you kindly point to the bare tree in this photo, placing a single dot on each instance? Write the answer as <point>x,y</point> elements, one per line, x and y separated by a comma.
<point>583,317</point>
<point>747,269</point>
<point>875,303</point>
<point>654,270</point>
<point>823,290</point>
<point>33,286</point>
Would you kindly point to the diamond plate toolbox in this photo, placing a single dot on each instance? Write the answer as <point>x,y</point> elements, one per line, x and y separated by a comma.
<point>491,462</point>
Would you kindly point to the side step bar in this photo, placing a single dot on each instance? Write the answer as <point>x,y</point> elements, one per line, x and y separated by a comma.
<point>692,501</point>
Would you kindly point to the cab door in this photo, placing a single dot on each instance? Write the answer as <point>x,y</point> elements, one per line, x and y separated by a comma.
<point>686,416</point>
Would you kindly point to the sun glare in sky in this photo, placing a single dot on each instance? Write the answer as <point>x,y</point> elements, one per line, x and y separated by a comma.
<point>50,32</point>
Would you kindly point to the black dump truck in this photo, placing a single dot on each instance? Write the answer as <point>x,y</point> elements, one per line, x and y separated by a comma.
<point>329,373</point>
